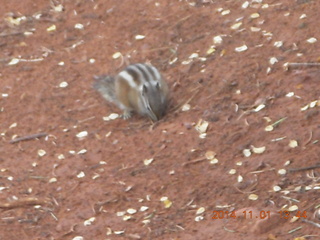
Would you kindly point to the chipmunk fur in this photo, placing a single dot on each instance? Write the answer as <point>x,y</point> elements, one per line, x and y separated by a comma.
<point>138,88</point>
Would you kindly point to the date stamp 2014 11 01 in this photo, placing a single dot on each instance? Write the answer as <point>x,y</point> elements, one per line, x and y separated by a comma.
<point>256,215</point>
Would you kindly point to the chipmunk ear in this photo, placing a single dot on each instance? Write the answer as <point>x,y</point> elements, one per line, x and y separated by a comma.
<point>144,89</point>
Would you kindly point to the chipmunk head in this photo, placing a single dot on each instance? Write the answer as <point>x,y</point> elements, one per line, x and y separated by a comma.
<point>154,99</point>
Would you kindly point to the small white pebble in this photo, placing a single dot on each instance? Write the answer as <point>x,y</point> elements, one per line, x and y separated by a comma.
<point>82,151</point>
<point>313,104</point>
<point>253,197</point>
<point>303,16</point>
<point>131,211</point>
<point>143,208</point>
<point>185,107</point>
<point>139,37</point>
<point>293,208</point>
<point>78,238</point>
<point>293,144</point>
<point>290,94</point>
<point>78,26</point>
<point>198,218</point>
<point>194,55</point>
<point>273,60</point>
<point>63,84</point>
<point>217,39</point>
<point>260,107</point>
<point>214,161</point>
<point>258,150</point>
<point>14,61</point>
<point>254,15</point>
<point>145,222</point>
<point>162,199</point>
<point>120,214</point>
<point>225,12</point>
<point>13,125</point>
<point>147,162</point>
<point>126,217</point>
<point>82,134</point>
<point>246,152</point>
<point>200,210</point>
<point>312,40</point>
<point>51,28</point>
<point>81,175</point>
<point>41,152</point>
<point>245,5</point>
<point>278,44</point>
<point>89,221</point>
<point>287,163</point>
<point>236,26</point>
<point>282,172</point>
<point>116,55</point>
<point>241,48</point>
<point>276,188</point>
<point>72,152</point>
<point>112,116</point>
<point>255,29</point>
<point>53,180</point>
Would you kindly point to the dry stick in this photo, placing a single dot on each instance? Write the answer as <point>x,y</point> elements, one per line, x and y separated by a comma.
<point>311,222</point>
<point>304,168</point>
<point>29,137</point>
<point>245,192</point>
<point>194,161</point>
<point>297,65</point>
<point>181,20</point>
<point>24,202</point>
<point>189,100</point>
<point>309,140</point>
<point>5,34</point>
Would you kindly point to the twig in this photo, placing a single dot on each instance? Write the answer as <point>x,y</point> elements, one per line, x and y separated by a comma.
<point>243,192</point>
<point>194,161</point>
<point>181,20</point>
<point>24,202</point>
<point>310,138</point>
<point>262,171</point>
<point>297,65</point>
<point>311,222</point>
<point>29,137</point>
<point>294,230</point>
<point>304,168</point>
<point>5,34</point>
<point>290,199</point>
<point>197,90</point>
<point>278,122</point>
<point>229,230</point>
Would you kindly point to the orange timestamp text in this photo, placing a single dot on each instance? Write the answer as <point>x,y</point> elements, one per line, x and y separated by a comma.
<point>256,214</point>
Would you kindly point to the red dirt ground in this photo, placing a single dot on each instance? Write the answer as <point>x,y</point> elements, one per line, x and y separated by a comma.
<point>60,186</point>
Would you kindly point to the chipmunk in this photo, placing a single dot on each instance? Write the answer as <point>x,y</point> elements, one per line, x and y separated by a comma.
<point>138,88</point>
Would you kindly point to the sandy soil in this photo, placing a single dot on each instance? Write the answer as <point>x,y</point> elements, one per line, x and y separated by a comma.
<point>239,144</point>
